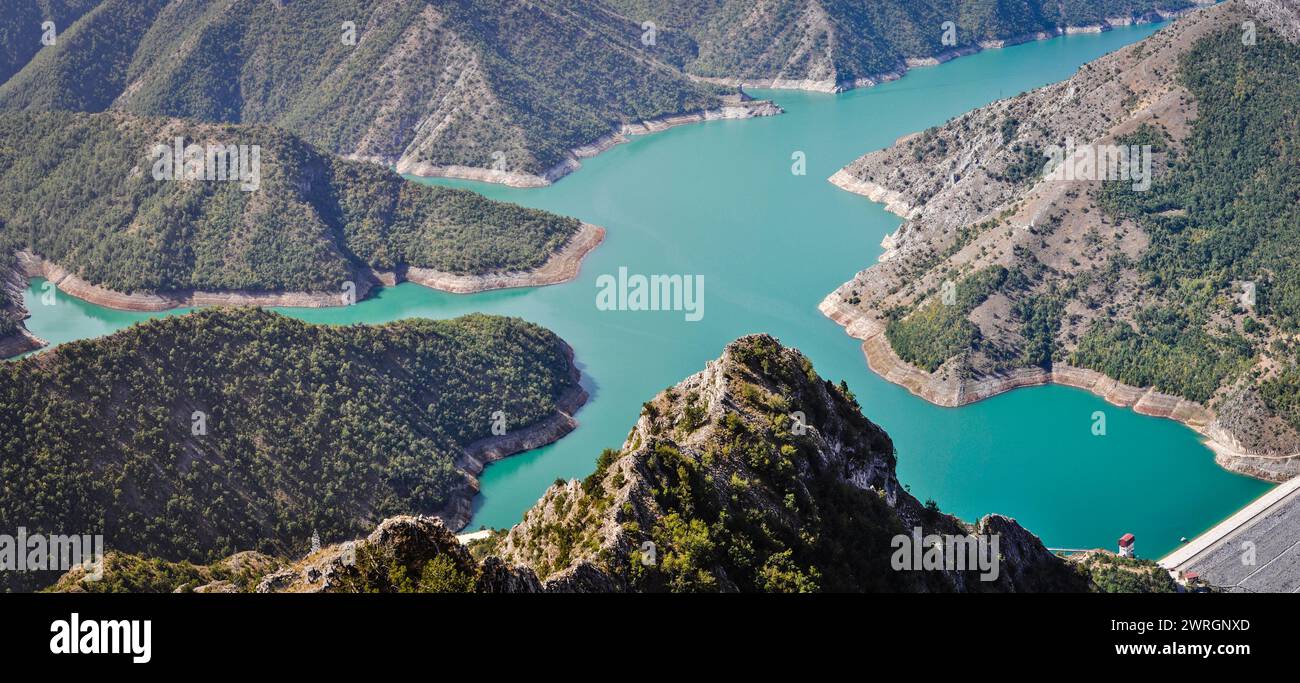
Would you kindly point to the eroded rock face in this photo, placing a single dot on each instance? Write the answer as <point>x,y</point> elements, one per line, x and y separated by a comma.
<point>1027,566</point>
<point>404,542</point>
<point>496,577</point>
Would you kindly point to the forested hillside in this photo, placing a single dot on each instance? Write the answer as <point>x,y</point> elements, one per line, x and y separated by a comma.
<point>1223,215</point>
<point>21,28</point>
<point>1183,290</point>
<point>754,475</point>
<point>79,190</point>
<point>1227,213</point>
<point>8,321</point>
<point>514,86</point>
<point>476,83</point>
<point>196,436</point>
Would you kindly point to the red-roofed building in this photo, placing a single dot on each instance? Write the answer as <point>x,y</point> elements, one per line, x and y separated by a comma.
<point>1126,545</point>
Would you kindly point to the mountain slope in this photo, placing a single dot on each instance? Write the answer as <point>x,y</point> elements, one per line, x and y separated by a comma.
<point>838,44</point>
<point>80,202</point>
<point>22,30</point>
<point>86,68</point>
<point>754,475</point>
<point>1139,294</point>
<point>195,436</point>
<point>432,86</point>
<point>509,91</point>
<point>714,490</point>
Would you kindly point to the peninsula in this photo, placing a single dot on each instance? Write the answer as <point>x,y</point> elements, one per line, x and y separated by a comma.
<point>1173,298</point>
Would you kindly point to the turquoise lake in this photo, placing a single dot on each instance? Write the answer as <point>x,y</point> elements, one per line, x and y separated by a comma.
<point>719,199</point>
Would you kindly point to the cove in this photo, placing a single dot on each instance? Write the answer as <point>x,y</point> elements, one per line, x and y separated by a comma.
<point>719,200</point>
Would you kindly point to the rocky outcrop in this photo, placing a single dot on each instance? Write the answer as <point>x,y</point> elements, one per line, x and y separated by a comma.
<point>710,473</point>
<point>495,577</point>
<point>126,573</point>
<point>402,543</point>
<point>1269,453</point>
<point>895,201</point>
<point>756,436</point>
